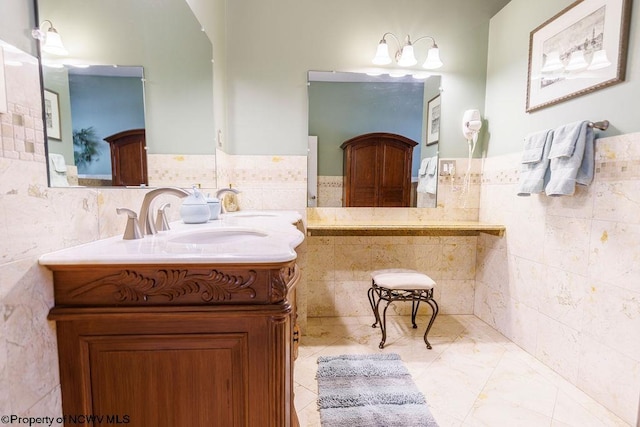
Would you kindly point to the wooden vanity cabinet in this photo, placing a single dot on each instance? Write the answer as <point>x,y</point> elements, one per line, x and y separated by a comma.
<point>377,170</point>
<point>178,345</point>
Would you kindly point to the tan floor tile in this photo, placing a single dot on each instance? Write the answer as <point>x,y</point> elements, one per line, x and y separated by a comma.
<point>473,376</point>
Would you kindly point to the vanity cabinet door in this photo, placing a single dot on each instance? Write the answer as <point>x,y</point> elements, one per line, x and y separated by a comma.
<point>189,368</point>
<point>167,378</point>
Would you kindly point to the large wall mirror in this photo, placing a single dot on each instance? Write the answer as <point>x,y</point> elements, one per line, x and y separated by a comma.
<point>146,68</point>
<point>343,106</point>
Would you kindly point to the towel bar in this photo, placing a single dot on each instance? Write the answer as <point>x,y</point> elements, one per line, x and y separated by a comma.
<point>602,125</point>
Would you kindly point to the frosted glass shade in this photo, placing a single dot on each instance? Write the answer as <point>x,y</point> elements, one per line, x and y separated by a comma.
<point>382,54</point>
<point>53,43</point>
<point>433,59</point>
<point>407,58</point>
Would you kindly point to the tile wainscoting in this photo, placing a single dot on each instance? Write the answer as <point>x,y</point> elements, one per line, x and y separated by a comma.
<point>564,283</point>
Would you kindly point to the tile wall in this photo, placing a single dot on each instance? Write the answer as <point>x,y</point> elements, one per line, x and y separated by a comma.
<point>22,127</point>
<point>28,358</point>
<point>564,283</point>
<point>330,191</point>
<point>165,170</point>
<point>338,268</point>
<point>265,182</point>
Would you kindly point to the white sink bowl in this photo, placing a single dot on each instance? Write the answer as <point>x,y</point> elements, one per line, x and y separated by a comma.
<point>217,236</point>
<point>251,214</point>
<point>261,217</point>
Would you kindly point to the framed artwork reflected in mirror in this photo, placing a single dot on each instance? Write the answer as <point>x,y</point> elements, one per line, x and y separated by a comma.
<point>52,114</point>
<point>433,120</point>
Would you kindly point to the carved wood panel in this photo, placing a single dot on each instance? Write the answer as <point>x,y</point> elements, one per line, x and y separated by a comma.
<point>172,285</point>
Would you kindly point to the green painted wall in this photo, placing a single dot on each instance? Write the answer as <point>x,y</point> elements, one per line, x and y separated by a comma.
<point>505,115</point>
<point>167,40</point>
<point>14,16</point>
<point>339,111</point>
<point>272,44</point>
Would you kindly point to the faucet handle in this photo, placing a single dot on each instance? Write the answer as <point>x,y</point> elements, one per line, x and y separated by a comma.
<point>132,230</point>
<point>162,224</point>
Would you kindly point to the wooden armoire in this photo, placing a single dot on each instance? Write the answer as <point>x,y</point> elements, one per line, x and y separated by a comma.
<point>128,157</point>
<point>377,170</point>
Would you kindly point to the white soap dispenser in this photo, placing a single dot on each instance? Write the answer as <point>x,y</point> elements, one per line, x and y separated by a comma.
<point>194,209</point>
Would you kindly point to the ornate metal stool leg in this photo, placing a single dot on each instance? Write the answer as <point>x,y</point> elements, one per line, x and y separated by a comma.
<point>383,324</point>
<point>374,306</point>
<point>434,307</point>
<point>415,304</point>
<point>375,296</point>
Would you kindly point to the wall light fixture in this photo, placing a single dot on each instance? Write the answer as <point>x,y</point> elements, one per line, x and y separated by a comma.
<point>404,55</point>
<point>50,40</point>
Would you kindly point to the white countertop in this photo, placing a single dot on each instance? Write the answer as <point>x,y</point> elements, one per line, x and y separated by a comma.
<point>271,237</point>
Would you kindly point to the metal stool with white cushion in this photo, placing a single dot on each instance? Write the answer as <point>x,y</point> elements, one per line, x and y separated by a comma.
<point>399,284</point>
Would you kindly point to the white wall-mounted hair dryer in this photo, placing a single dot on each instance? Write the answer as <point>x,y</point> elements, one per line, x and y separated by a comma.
<point>471,124</point>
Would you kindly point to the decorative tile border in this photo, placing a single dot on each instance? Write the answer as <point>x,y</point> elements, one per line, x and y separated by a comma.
<point>617,159</point>
<point>618,170</point>
<point>182,170</point>
<point>330,182</point>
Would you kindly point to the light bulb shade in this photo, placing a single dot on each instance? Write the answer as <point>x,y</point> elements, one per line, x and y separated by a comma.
<point>53,43</point>
<point>576,61</point>
<point>382,54</point>
<point>552,62</point>
<point>407,58</point>
<point>433,59</point>
<point>599,60</point>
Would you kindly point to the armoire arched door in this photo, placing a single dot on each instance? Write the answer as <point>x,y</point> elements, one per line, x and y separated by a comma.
<point>377,170</point>
<point>128,158</point>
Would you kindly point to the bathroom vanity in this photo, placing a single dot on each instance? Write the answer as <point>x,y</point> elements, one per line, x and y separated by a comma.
<point>191,327</point>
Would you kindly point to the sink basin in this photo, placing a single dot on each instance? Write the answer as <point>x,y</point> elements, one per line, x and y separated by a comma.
<point>250,214</point>
<point>217,236</point>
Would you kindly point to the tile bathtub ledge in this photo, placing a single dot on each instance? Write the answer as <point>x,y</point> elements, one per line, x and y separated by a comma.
<point>390,228</point>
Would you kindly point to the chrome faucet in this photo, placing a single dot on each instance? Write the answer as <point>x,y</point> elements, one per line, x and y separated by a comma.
<point>147,223</point>
<point>220,194</point>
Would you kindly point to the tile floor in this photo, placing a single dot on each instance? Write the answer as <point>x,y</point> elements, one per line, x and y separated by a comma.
<point>474,376</point>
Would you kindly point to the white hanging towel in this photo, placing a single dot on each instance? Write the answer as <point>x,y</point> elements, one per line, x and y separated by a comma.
<point>57,170</point>
<point>428,175</point>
